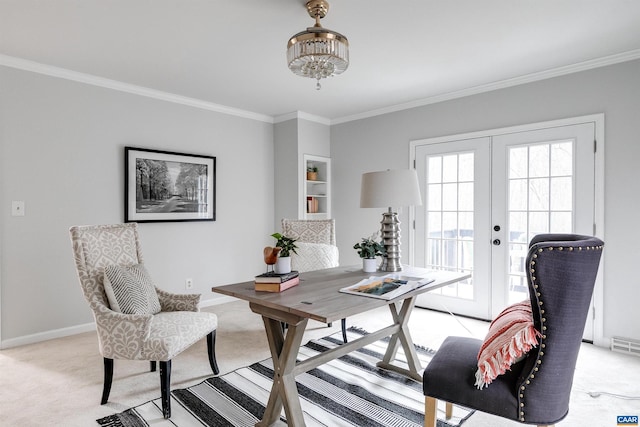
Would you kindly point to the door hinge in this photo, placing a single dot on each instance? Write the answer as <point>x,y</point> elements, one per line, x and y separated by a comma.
<point>414,163</point>
<point>595,146</point>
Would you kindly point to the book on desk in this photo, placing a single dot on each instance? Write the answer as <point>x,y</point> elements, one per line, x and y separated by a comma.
<point>274,282</point>
<point>277,287</point>
<point>273,277</point>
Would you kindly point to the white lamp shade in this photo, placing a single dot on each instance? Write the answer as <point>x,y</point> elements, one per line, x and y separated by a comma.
<point>390,188</point>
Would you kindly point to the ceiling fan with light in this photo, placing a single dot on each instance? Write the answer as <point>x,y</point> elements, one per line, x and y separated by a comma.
<point>318,52</point>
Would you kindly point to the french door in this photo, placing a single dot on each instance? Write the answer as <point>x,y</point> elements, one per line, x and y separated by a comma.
<point>487,196</point>
<point>452,225</point>
<point>544,183</point>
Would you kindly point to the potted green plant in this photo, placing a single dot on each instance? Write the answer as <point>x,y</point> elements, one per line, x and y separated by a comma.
<point>312,173</point>
<point>368,249</point>
<point>287,245</point>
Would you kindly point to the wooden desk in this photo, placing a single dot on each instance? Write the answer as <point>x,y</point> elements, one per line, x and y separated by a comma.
<point>318,297</point>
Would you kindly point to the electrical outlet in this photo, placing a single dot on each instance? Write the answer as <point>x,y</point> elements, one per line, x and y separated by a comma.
<point>17,208</point>
<point>188,283</point>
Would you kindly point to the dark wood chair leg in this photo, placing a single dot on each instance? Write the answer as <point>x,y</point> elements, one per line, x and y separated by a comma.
<point>211,349</point>
<point>153,366</point>
<point>165,391</point>
<point>344,330</point>
<point>108,378</point>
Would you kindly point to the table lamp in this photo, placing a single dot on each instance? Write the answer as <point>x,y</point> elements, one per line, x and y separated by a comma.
<point>392,189</point>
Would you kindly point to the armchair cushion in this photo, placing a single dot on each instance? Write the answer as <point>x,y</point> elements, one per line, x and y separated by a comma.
<point>449,377</point>
<point>130,289</point>
<point>511,335</point>
<point>314,256</point>
<point>173,332</point>
<point>151,337</point>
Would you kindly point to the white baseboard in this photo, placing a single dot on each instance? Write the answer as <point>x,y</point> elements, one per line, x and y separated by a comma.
<point>79,329</point>
<point>217,301</point>
<point>47,335</point>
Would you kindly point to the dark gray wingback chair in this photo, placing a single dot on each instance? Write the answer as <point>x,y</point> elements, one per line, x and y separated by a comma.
<point>561,277</point>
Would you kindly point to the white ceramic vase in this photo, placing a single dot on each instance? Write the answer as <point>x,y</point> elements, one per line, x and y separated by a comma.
<point>369,265</point>
<point>283,265</point>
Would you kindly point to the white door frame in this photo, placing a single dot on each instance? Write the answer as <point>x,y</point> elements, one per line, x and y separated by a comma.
<point>599,230</point>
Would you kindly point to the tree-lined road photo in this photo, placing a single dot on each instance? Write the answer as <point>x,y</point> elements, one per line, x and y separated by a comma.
<point>170,187</point>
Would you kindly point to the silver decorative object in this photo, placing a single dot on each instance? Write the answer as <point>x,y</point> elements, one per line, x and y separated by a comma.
<point>390,188</point>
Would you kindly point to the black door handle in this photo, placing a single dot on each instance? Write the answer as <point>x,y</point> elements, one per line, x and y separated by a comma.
<point>496,242</point>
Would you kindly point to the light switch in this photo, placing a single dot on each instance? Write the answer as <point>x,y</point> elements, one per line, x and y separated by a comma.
<point>17,208</point>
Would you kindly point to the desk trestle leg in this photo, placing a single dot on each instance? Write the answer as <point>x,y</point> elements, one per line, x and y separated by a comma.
<point>284,350</point>
<point>402,337</point>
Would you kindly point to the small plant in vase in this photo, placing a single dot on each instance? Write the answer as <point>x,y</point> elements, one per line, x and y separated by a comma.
<point>287,246</point>
<point>312,173</point>
<point>368,249</point>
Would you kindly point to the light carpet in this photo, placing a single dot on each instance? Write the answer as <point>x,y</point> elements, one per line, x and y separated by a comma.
<point>348,391</point>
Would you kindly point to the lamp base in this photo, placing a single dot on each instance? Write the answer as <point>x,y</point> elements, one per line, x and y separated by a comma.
<point>390,231</point>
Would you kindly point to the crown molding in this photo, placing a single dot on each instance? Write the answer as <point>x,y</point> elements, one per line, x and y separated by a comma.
<point>304,116</point>
<point>528,78</point>
<point>63,73</point>
<point>36,67</point>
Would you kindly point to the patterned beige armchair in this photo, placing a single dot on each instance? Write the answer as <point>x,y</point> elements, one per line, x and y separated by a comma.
<point>316,242</point>
<point>154,337</point>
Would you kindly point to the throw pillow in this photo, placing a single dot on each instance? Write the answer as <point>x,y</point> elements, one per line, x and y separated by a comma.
<point>511,335</point>
<point>130,289</point>
<point>314,256</point>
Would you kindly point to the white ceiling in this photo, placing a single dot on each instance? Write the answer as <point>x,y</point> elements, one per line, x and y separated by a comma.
<point>403,52</point>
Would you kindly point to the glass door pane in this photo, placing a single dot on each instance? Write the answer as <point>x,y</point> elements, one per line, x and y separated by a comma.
<point>449,190</point>
<point>540,200</point>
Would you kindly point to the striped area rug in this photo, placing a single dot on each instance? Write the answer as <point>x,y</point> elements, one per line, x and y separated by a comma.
<point>349,391</point>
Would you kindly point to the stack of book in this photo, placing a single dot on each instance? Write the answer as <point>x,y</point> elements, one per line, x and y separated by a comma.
<point>312,205</point>
<point>274,282</point>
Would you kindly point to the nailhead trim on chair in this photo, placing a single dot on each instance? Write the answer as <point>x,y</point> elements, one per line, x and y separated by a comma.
<point>544,331</point>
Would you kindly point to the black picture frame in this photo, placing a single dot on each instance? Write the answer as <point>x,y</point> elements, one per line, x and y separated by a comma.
<point>165,186</point>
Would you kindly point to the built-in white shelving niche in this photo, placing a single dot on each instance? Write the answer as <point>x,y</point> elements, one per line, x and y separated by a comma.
<point>316,202</point>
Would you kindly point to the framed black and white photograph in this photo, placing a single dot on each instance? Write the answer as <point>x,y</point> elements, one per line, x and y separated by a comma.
<point>166,186</point>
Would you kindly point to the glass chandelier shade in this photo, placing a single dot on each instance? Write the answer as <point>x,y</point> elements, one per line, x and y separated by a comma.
<point>318,52</point>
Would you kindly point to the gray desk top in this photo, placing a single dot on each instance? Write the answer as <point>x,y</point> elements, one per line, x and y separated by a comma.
<point>318,295</point>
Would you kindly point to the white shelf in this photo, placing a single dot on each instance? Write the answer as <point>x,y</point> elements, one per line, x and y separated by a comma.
<point>316,202</point>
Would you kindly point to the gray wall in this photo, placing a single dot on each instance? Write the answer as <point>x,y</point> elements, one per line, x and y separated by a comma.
<point>61,151</point>
<point>286,172</point>
<point>382,142</point>
<point>314,138</point>
<point>293,139</point>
